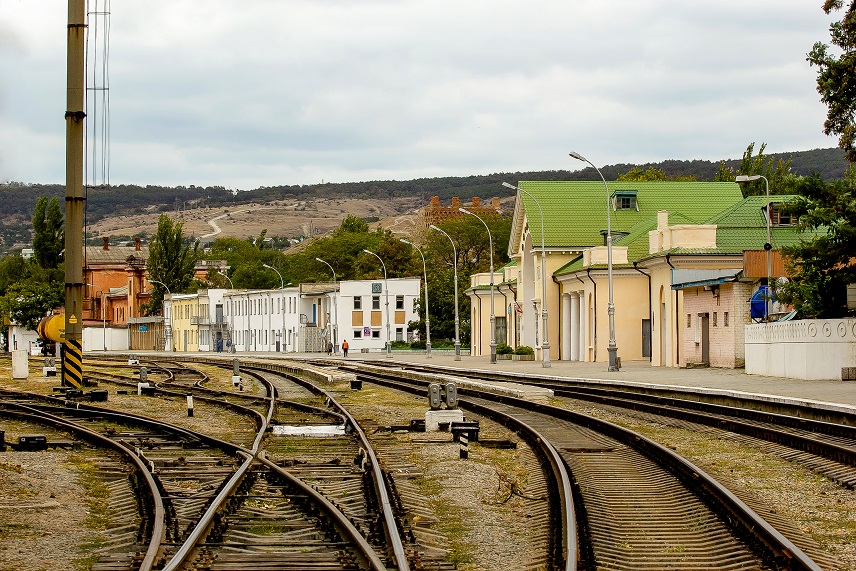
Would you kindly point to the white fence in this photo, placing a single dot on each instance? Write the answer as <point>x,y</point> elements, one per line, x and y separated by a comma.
<point>803,349</point>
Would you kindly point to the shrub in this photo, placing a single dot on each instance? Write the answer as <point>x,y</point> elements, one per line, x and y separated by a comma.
<point>399,345</point>
<point>524,350</point>
<point>418,344</point>
<point>503,349</point>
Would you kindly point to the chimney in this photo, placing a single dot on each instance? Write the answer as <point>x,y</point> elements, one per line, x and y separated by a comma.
<point>456,202</point>
<point>106,243</point>
<point>662,219</point>
<point>494,203</point>
<point>435,201</point>
<point>476,201</point>
<point>137,243</point>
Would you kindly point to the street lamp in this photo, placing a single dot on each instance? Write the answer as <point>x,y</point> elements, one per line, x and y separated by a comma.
<point>427,319</point>
<point>385,287</point>
<point>281,281</point>
<point>225,276</point>
<point>103,314</point>
<point>492,315</point>
<point>769,245</point>
<point>545,340</point>
<point>455,266</point>
<point>612,348</point>
<point>166,319</point>
<point>335,310</point>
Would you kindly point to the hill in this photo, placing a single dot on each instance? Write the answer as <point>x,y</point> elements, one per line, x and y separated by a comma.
<point>300,210</point>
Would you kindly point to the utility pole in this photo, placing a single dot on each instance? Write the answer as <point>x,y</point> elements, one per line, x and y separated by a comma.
<point>72,368</point>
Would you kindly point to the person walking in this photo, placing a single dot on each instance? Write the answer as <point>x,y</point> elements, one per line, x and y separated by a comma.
<point>329,347</point>
<point>345,348</point>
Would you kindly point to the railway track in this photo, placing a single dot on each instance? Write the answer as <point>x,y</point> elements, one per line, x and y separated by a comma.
<point>640,505</point>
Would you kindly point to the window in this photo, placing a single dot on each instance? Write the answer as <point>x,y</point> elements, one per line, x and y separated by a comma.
<point>375,302</point>
<point>399,302</point>
<point>725,319</point>
<point>358,333</point>
<point>689,320</point>
<point>714,318</point>
<point>399,334</point>
<point>779,218</point>
<point>624,200</point>
<point>358,303</point>
<point>375,334</point>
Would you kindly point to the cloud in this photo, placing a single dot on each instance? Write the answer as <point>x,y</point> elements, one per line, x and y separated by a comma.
<point>266,92</point>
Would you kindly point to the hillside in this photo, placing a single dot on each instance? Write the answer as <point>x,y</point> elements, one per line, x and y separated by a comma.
<point>293,211</point>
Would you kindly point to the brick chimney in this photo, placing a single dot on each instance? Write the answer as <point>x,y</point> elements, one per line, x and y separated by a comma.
<point>456,202</point>
<point>106,243</point>
<point>435,201</point>
<point>494,203</point>
<point>137,243</point>
<point>476,201</point>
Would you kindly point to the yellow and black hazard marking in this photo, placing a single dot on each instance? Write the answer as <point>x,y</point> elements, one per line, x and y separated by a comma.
<point>72,364</point>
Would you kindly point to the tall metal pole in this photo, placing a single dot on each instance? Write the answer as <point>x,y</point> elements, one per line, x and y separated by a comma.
<point>386,288</point>
<point>75,114</point>
<point>769,245</point>
<point>281,281</point>
<point>545,341</point>
<point>427,318</point>
<point>492,314</point>
<point>335,308</point>
<point>612,348</point>
<point>457,319</point>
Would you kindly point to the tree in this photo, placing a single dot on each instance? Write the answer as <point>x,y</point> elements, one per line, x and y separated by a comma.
<point>636,174</point>
<point>778,173</point>
<point>836,77</point>
<point>822,265</point>
<point>171,260</point>
<point>49,237</point>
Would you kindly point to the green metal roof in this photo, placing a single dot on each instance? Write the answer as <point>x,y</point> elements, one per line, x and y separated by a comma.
<point>575,211</point>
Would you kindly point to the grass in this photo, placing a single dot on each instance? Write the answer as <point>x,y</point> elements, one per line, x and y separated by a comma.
<point>96,498</point>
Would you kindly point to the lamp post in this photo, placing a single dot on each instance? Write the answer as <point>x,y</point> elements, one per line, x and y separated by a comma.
<point>769,245</point>
<point>455,266</point>
<point>335,310</point>
<point>492,315</point>
<point>166,318</point>
<point>612,348</point>
<point>545,339</point>
<point>227,278</point>
<point>103,314</point>
<point>427,319</point>
<point>281,281</point>
<point>386,288</point>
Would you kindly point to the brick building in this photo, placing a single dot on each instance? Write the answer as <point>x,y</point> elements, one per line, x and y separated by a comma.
<point>435,213</point>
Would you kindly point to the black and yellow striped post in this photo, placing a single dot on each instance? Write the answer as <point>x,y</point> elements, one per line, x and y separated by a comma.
<point>72,364</point>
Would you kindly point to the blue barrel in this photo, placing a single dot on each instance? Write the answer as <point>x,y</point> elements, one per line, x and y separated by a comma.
<point>757,302</point>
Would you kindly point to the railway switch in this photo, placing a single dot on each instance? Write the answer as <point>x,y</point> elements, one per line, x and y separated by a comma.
<point>434,397</point>
<point>32,442</point>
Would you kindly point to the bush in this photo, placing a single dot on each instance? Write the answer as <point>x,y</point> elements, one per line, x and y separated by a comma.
<point>399,345</point>
<point>524,350</point>
<point>418,344</point>
<point>503,349</point>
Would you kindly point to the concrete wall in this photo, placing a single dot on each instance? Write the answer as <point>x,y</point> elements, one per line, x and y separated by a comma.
<point>115,338</point>
<point>805,349</point>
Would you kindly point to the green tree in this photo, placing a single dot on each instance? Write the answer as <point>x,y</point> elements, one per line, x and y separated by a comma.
<point>651,174</point>
<point>49,237</point>
<point>172,260</point>
<point>822,265</point>
<point>836,77</point>
<point>29,292</point>
<point>778,173</point>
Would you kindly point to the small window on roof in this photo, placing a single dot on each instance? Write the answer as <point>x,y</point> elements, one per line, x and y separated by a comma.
<point>778,217</point>
<point>624,200</point>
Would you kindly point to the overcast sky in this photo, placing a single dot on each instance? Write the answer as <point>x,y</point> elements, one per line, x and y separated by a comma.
<point>266,92</point>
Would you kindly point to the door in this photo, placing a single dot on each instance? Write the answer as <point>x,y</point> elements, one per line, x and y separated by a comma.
<point>705,338</point>
<point>646,338</point>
